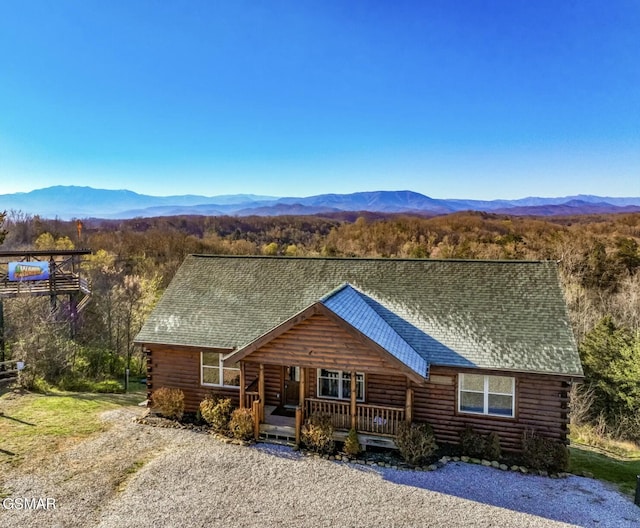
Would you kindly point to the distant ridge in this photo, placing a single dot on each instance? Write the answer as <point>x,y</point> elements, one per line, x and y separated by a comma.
<point>67,202</point>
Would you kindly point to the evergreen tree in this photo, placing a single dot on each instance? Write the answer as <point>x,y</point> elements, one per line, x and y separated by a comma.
<point>611,360</point>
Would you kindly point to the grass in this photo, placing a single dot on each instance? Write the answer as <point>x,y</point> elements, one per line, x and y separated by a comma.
<point>606,458</point>
<point>32,424</point>
<point>122,482</point>
<point>608,467</point>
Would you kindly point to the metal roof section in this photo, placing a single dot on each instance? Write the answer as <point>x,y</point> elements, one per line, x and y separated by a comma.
<point>349,305</point>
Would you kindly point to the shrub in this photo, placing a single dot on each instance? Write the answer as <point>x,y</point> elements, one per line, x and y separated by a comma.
<point>168,402</point>
<point>108,386</point>
<point>37,384</point>
<point>76,383</point>
<point>241,424</point>
<point>416,442</point>
<point>351,445</point>
<point>543,453</point>
<point>492,450</point>
<point>217,413</point>
<point>317,434</point>
<point>473,444</point>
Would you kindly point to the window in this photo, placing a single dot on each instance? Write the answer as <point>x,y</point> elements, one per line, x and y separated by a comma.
<point>337,384</point>
<point>492,395</point>
<point>217,375</point>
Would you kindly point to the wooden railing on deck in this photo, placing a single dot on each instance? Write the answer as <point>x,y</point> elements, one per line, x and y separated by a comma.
<point>249,398</point>
<point>375,419</point>
<point>338,410</point>
<point>378,419</point>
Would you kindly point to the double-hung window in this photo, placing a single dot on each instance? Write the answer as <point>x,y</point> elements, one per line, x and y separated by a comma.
<point>337,384</point>
<point>215,374</point>
<point>492,395</point>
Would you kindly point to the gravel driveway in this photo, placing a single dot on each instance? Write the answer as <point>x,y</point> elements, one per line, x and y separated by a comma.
<point>139,476</point>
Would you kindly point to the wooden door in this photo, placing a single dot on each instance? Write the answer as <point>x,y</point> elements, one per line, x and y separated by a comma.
<point>291,386</point>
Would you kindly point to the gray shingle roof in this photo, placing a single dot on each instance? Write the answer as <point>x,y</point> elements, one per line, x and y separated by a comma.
<point>487,314</point>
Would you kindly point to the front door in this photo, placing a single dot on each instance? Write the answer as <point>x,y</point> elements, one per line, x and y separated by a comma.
<point>291,386</point>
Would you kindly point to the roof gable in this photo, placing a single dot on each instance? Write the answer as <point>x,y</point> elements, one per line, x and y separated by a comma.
<point>349,304</point>
<point>341,346</point>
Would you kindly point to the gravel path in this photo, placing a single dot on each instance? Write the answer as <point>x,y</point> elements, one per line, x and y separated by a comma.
<point>139,476</point>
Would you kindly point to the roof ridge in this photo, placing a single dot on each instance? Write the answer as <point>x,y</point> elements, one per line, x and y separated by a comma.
<point>375,259</point>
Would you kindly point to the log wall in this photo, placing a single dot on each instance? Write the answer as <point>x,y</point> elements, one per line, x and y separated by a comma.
<point>179,368</point>
<point>541,403</point>
<point>320,342</point>
<point>389,389</point>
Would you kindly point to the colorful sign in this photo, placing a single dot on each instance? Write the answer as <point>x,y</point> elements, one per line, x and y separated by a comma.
<point>26,271</point>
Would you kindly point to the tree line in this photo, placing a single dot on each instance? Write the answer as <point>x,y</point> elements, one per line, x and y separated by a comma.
<point>133,260</point>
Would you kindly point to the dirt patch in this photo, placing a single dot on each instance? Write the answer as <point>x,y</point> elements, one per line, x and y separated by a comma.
<point>83,475</point>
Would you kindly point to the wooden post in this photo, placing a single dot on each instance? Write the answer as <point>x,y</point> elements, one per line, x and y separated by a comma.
<point>354,395</point>
<point>298,424</point>
<point>2,358</point>
<point>242,385</point>
<point>255,408</point>
<point>408,409</point>
<point>261,391</point>
<point>303,388</point>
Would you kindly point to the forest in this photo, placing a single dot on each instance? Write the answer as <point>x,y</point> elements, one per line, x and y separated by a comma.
<point>132,261</point>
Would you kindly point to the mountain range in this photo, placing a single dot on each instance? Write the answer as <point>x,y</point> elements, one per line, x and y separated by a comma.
<point>67,202</point>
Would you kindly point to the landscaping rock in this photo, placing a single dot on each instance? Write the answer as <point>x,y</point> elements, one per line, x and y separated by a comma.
<point>504,467</point>
<point>495,464</point>
<point>485,463</point>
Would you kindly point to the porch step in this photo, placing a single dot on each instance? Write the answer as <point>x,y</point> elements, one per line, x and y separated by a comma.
<point>278,434</point>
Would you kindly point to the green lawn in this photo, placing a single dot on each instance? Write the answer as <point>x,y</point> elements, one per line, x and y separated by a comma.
<point>621,472</point>
<point>34,424</point>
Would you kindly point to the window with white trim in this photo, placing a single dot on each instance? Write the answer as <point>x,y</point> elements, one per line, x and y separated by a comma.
<point>337,384</point>
<point>215,373</point>
<point>491,395</point>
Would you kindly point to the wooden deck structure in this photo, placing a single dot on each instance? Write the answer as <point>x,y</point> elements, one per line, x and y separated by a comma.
<point>65,279</point>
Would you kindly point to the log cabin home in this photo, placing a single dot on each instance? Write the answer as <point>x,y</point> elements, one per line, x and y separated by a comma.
<point>371,342</point>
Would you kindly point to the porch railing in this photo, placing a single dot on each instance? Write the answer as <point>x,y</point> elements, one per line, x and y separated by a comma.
<point>249,398</point>
<point>374,419</point>
<point>378,419</point>
<point>339,411</point>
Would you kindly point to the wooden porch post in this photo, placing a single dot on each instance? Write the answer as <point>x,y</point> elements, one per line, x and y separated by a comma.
<point>242,385</point>
<point>353,400</point>
<point>299,415</point>
<point>261,391</point>
<point>408,408</point>
<point>303,387</point>
<point>255,407</point>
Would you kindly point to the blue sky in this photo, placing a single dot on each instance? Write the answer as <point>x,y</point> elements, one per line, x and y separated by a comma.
<point>467,99</point>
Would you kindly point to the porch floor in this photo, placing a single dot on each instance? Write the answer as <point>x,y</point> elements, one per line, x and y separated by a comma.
<point>278,421</point>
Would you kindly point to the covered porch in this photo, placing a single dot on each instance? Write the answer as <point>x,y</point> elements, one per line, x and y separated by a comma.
<point>375,423</point>
<point>336,358</point>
